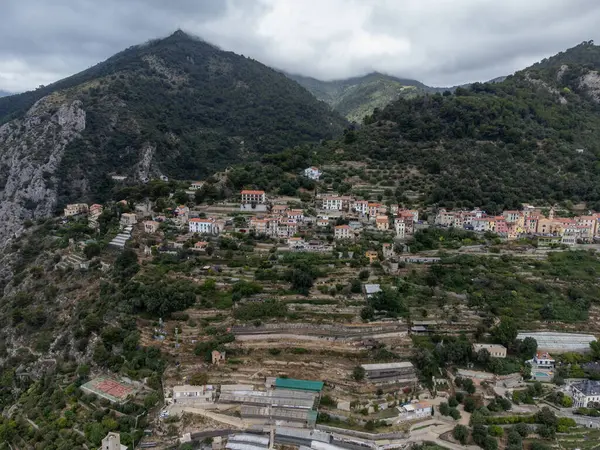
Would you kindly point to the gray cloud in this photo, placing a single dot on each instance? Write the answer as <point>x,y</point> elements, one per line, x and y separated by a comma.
<point>439,42</point>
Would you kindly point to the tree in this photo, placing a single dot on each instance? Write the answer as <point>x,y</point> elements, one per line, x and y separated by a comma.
<point>453,402</point>
<point>527,348</point>
<point>470,404</point>
<point>461,434</point>
<point>454,413</point>
<point>150,400</point>
<point>505,332</point>
<point>490,443</point>
<point>444,409</point>
<point>468,386</point>
<point>91,250</point>
<point>363,275</point>
<point>479,434</point>
<point>126,264</point>
<point>370,425</point>
<point>355,286</point>
<point>358,374</point>
<point>522,428</point>
<point>301,280</point>
<point>483,356</point>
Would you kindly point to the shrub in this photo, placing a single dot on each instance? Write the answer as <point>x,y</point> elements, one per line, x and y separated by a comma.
<point>454,413</point>
<point>495,430</point>
<point>461,434</point>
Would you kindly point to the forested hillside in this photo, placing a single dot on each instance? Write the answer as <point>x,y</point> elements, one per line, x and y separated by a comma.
<point>177,106</point>
<point>533,137</point>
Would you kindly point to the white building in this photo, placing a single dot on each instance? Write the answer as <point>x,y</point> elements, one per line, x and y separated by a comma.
<point>295,214</point>
<point>333,203</point>
<point>361,206</point>
<point>203,226</point>
<point>196,185</point>
<point>585,392</point>
<point>414,411</point>
<point>112,441</point>
<point>400,227</point>
<point>343,232</point>
<point>542,360</point>
<point>313,173</point>
<point>128,219</point>
<point>253,197</point>
<point>495,350</point>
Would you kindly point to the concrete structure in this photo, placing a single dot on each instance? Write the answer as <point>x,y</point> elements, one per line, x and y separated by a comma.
<point>560,342</point>
<point>253,197</point>
<point>585,392</point>
<point>190,395</point>
<point>151,226</point>
<point>400,372</point>
<point>495,350</point>
<point>75,209</point>
<point>112,441</point>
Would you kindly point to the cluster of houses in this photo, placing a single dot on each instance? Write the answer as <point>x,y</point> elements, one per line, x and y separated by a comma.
<point>92,212</point>
<point>513,224</point>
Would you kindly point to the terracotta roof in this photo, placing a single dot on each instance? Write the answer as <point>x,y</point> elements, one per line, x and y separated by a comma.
<point>250,192</point>
<point>196,220</point>
<point>343,227</point>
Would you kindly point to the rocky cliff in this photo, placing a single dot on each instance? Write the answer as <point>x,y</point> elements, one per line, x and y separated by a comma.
<point>31,150</point>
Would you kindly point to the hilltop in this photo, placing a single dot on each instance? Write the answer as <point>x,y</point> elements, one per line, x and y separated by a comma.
<point>177,106</point>
<point>354,98</point>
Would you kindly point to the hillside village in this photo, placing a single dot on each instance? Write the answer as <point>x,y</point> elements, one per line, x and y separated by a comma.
<point>337,360</point>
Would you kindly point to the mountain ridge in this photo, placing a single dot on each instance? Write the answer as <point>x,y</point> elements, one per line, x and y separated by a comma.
<point>356,97</point>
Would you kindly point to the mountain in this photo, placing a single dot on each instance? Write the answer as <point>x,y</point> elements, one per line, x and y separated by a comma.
<point>176,106</point>
<point>4,93</point>
<point>533,137</point>
<point>354,98</point>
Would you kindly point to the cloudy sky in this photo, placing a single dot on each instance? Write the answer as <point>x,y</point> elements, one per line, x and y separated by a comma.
<point>439,42</point>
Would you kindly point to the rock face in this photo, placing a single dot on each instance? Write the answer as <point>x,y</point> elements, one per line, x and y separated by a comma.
<point>591,83</point>
<point>31,150</point>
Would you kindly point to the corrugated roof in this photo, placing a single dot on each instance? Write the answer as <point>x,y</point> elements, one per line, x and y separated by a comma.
<point>372,288</point>
<point>301,385</point>
<point>249,439</point>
